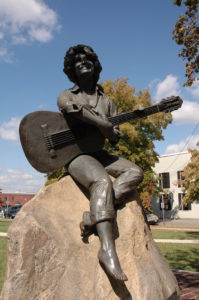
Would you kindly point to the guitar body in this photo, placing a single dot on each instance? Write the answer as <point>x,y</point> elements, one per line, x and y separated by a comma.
<point>50,140</point>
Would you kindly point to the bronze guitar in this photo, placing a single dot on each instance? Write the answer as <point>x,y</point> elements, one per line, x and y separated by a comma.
<point>50,140</point>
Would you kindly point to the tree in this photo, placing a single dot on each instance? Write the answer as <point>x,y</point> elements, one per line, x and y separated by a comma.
<point>137,142</point>
<point>186,34</point>
<point>191,178</point>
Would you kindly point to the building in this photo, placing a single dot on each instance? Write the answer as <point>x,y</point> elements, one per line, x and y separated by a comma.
<point>9,199</point>
<point>170,203</point>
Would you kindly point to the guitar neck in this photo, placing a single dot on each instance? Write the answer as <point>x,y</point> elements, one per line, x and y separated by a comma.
<point>134,115</point>
<point>66,136</point>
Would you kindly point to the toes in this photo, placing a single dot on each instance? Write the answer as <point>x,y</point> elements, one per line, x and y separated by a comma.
<point>119,276</point>
<point>115,272</point>
<point>124,277</point>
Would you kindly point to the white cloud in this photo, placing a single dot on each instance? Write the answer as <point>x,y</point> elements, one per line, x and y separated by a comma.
<point>19,181</point>
<point>194,89</point>
<point>23,21</point>
<point>153,83</point>
<point>168,87</point>
<point>9,130</point>
<point>188,113</point>
<point>19,40</point>
<point>40,34</point>
<point>5,55</point>
<point>183,145</point>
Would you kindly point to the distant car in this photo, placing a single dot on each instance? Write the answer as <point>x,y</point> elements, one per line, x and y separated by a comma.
<point>151,218</point>
<point>1,213</point>
<point>12,211</point>
<point>5,210</point>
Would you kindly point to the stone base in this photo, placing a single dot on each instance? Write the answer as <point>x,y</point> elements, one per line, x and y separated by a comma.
<point>47,258</point>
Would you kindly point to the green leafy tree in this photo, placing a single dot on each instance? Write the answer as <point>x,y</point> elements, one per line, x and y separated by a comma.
<point>186,34</point>
<point>191,178</point>
<point>55,176</point>
<point>137,142</point>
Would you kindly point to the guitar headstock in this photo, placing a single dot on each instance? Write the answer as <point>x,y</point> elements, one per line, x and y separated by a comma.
<point>170,104</point>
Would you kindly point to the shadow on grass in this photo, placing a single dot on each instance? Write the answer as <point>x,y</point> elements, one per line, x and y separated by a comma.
<point>183,259</point>
<point>193,234</point>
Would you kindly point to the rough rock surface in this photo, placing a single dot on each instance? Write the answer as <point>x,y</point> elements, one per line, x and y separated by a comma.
<point>47,258</point>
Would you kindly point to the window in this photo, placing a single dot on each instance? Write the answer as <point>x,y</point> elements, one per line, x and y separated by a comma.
<point>6,200</point>
<point>13,199</point>
<point>180,178</point>
<point>180,203</point>
<point>165,202</point>
<point>164,180</point>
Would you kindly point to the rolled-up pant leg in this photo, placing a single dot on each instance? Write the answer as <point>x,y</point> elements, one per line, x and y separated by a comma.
<point>91,174</point>
<point>128,175</point>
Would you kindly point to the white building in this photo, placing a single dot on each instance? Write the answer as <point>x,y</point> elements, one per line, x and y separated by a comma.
<point>169,169</point>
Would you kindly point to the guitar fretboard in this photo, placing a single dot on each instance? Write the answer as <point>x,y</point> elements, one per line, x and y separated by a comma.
<point>134,115</point>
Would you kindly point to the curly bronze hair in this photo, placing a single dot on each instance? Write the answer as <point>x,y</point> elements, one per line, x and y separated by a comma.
<point>69,61</point>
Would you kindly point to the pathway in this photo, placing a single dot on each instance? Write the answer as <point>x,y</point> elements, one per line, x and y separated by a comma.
<point>189,284</point>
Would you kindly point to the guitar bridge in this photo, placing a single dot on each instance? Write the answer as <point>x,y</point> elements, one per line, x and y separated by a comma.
<point>48,141</point>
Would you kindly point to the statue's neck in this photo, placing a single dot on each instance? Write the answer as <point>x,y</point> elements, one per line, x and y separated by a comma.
<point>86,85</point>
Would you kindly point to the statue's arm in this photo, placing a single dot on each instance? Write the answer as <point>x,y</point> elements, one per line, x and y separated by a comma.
<point>68,106</point>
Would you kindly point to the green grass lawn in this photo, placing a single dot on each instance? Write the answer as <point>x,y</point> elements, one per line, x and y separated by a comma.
<point>3,259</point>
<point>4,224</point>
<point>175,234</point>
<point>181,256</point>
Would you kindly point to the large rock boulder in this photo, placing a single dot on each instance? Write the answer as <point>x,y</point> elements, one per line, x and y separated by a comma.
<point>47,258</point>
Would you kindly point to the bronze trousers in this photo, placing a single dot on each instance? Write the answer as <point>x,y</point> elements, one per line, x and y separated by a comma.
<point>93,170</point>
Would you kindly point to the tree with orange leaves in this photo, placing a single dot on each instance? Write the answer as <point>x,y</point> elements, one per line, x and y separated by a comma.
<point>137,142</point>
<point>191,178</point>
<point>186,35</point>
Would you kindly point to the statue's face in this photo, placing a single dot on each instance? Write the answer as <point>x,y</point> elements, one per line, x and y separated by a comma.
<point>83,66</point>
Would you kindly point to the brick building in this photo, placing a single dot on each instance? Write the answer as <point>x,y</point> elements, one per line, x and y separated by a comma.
<point>11,199</point>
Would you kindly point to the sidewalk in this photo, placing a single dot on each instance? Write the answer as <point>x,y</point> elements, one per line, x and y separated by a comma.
<point>188,283</point>
<point>3,234</point>
<point>173,241</point>
<point>180,223</point>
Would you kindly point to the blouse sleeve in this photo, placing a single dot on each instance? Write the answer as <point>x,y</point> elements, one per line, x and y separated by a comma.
<point>66,104</point>
<point>112,109</point>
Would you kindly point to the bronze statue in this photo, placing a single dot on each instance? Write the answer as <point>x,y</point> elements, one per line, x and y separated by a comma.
<point>87,103</point>
<point>76,137</point>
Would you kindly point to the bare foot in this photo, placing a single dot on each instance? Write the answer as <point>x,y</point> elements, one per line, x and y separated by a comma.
<point>111,263</point>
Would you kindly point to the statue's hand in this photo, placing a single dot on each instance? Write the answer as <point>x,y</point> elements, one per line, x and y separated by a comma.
<point>117,135</point>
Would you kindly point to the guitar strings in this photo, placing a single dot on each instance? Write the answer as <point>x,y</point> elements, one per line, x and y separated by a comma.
<point>65,132</point>
<point>62,140</point>
<point>67,135</point>
<point>128,116</point>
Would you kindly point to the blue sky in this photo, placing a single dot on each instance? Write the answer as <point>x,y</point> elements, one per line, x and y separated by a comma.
<point>132,38</point>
